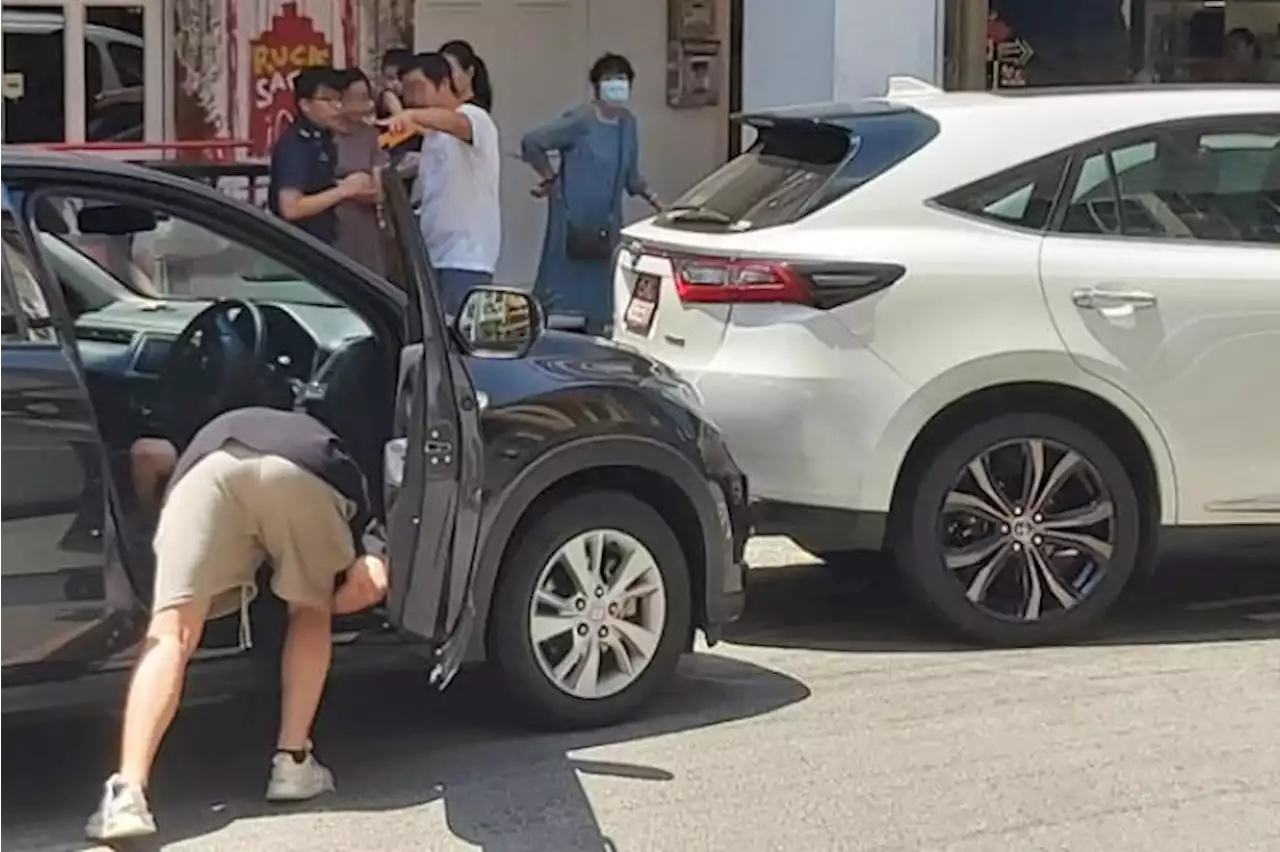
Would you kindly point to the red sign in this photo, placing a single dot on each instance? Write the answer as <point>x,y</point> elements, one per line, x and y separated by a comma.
<point>291,44</point>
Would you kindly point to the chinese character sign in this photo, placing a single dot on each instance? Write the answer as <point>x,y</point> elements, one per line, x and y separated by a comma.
<point>291,44</point>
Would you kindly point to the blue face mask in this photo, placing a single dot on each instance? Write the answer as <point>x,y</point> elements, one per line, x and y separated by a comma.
<point>615,90</point>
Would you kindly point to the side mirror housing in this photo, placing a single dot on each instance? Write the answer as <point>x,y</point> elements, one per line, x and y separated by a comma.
<point>498,322</point>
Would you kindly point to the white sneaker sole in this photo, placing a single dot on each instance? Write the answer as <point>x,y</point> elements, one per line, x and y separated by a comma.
<point>123,828</point>
<point>282,793</point>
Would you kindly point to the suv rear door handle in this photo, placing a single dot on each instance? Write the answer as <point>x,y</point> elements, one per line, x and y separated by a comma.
<point>1104,297</point>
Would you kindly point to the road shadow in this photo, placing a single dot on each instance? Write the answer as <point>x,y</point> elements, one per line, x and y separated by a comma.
<point>861,605</point>
<point>394,743</point>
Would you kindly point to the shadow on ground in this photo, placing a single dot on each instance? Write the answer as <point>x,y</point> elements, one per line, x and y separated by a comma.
<point>860,605</point>
<point>394,743</point>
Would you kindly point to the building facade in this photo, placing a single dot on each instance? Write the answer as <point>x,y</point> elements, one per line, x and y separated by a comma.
<point>814,50</point>
<point>119,74</point>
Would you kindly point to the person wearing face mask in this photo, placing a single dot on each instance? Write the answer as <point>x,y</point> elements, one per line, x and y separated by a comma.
<point>598,149</point>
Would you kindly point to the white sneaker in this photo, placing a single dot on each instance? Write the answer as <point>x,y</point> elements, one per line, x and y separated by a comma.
<point>294,780</point>
<point>123,813</point>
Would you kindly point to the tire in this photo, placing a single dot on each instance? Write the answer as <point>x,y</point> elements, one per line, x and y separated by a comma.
<point>925,537</point>
<point>520,661</point>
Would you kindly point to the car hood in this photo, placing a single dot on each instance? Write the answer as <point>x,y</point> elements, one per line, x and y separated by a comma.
<point>559,360</point>
<point>141,315</point>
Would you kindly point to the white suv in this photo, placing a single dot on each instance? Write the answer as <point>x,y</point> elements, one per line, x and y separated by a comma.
<point>1021,340</point>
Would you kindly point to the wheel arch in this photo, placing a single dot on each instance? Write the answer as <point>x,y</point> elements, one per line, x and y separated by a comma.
<point>1142,451</point>
<point>642,467</point>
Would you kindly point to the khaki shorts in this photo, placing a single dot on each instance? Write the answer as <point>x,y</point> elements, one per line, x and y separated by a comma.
<point>235,508</point>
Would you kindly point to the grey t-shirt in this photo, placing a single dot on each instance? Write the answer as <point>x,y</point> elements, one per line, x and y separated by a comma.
<point>359,233</point>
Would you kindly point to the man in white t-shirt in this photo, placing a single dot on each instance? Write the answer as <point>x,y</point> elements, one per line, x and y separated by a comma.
<point>458,172</point>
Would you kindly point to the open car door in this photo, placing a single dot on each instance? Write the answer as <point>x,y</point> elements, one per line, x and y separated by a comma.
<point>431,464</point>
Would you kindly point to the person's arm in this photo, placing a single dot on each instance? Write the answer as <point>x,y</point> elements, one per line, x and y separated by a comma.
<point>636,184</point>
<point>289,174</point>
<point>364,585</point>
<point>558,135</point>
<point>454,122</point>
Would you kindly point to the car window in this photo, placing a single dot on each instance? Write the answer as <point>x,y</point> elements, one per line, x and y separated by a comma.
<point>1182,183</point>
<point>1021,196</point>
<point>169,257</point>
<point>797,166</point>
<point>127,59</point>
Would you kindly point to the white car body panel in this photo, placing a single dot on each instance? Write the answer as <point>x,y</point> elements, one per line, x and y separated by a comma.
<point>820,407</point>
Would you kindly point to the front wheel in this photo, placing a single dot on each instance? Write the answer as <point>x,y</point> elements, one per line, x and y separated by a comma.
<point>1021,530</point>
<point>592,611</point>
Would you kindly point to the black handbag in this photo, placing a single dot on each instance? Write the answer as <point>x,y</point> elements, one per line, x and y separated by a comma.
<point>591,243</point>
<point>588,243</point>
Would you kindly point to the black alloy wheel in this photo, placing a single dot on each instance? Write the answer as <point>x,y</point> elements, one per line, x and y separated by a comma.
<point>1024,529</point>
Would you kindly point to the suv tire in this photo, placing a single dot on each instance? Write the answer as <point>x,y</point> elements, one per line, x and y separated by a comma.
<point>524,665</point>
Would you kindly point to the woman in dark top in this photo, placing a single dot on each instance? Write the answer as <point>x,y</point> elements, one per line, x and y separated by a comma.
<point>470,74</point>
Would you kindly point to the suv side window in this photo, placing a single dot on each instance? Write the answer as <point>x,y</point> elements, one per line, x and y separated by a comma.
<point>1021,196</point>
<point>26,311</point>
<point>1217,181</point>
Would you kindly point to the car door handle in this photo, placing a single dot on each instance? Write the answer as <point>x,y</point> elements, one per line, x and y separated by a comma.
<point>1103,297</point>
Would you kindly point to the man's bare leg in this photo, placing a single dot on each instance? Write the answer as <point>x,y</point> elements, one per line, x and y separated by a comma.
<point>308,648</point>
<point>151,462</point>
<point>156,688</point>
<point>154,693</point>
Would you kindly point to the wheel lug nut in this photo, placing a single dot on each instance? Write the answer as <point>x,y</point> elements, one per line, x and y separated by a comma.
<point>603,632</point>
<point>613,609</point>
<point>599,592</point>
<point>1004,528</point>
<point>1038,540</point>
<point>580,604</point>
<point>582,630</point>
<point>1038,518</point>
<point>1017,546</point>
<point>1017,510</point>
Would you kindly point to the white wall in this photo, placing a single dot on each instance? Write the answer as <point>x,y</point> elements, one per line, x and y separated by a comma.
<point>539,53</point>
<point>802,51</point>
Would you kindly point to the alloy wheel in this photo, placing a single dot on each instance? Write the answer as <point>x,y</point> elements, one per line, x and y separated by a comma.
<point>597,614</point>
<point>1028,529</point>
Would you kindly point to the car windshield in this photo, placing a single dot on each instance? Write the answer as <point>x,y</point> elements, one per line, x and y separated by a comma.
<point>178,260</point>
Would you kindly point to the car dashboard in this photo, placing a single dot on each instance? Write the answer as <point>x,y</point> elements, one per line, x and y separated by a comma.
<point>125,347</point>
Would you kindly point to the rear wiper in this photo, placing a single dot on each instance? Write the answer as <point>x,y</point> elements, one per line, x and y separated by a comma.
<point>695,213</point>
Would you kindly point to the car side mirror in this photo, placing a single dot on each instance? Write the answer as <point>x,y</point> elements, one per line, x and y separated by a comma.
<point>498,322</point>
<point>116,220</point>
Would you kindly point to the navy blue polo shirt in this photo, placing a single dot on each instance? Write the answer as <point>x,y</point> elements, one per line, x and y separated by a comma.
<point>306,159</point>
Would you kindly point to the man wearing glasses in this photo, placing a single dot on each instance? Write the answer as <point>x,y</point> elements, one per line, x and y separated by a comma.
<point>305,189</point>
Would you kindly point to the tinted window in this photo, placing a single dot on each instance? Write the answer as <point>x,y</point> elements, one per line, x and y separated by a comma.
<point>797,166</point>
<point>171,257</point>
<point>1022,196</point>
<point>128,61</point>
<point>1186,183</point>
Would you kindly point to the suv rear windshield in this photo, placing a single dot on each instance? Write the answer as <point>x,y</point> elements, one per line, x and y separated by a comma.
<point>799,164</point>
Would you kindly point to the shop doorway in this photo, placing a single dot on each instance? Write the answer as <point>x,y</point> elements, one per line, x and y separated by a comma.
<point>83,71</point>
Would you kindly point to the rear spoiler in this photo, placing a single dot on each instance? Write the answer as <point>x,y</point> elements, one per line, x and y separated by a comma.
<point>836,115</point>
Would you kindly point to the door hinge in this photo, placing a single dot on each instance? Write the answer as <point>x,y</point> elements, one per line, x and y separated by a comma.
<point>438,448</point>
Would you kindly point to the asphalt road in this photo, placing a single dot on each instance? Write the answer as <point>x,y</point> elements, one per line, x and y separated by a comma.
<point>833,719</point>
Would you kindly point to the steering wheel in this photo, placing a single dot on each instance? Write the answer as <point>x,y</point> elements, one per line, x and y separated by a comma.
<point>216,364</point>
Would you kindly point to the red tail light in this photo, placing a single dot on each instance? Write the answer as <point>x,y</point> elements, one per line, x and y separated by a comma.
<point>821,285</point>
<point>702,279</point>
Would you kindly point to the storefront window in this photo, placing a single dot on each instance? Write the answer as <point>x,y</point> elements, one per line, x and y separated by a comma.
<point>33,74</point>
<point>1096,42</point>
<point>114,88</point>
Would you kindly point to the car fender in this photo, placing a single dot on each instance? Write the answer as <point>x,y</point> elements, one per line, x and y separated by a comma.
<point>503,511</point>
<point>1006,369</point>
